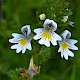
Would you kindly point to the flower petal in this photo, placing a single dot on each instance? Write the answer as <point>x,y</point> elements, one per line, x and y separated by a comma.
<point>70,53</point>
<point>28,46</point>
<point>25,29</point>
<point>15,46</point>
<point>73,47</point>
<point>13,40</point>
<point>59,50</point>
<point>41,41</point>
<point>16,35</point>
<point>62,54</point>
<point>47,43</point>
<point>36,37</point>
<point>66,34</point>
<point>71,41</point>
<point>24,49</point>
<point>65,53</point>
<point>39,30</point>
<point>19,49</point>
<point>56,36</point>
<point>48,21</point>
<point>53,41</point>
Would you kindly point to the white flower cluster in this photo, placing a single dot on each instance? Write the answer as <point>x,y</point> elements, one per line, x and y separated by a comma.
<point>45,35</point>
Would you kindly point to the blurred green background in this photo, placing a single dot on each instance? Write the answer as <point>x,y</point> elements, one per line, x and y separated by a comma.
<point>17,13</point>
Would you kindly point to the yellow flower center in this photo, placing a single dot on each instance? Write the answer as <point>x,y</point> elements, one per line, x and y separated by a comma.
<point>23,42</point>
<point>46,35</point>
<point>64,46</point>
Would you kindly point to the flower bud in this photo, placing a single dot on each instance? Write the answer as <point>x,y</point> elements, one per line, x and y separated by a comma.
<point>42,16</point>
<point>65,18</point>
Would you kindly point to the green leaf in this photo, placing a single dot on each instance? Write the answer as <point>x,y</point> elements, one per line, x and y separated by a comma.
<point>15,75</point>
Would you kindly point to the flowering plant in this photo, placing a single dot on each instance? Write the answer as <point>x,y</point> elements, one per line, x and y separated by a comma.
<point>51,32</point>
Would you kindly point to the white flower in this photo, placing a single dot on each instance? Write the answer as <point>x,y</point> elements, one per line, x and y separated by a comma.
<point>71,23</point>
<point>22,41</point>
<point>42,16</point>
<point>65,18</point>
<point>47,34</point>
<point>67,44</point>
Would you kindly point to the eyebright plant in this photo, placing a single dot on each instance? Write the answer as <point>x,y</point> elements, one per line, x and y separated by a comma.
<point>53,19</point>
